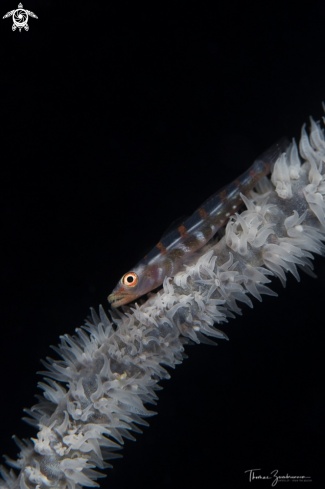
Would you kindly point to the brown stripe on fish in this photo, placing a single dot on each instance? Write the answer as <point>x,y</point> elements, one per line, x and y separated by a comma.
<point>182,231</point>
<point>176,254</point>
<point>237,183</point>
<point>223,195</point>
<point>161,247</point>
<point>203,214</point>
<point>192,242</point>
<point>253,174</point>
<point>207,231</point>
<point>167,265</point>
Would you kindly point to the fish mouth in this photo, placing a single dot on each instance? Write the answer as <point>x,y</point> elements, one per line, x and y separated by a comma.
<point>117,300</point>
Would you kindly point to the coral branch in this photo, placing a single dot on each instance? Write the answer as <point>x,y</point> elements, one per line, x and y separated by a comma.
<point>109,372</point>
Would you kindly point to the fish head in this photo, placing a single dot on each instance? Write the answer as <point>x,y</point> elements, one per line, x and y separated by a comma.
<point>132,285</point>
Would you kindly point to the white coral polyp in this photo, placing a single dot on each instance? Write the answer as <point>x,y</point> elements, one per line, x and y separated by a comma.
<point>294,161</point>
<point>283,257</point>
<point>250,226</point>
<point>281,178</point>
<point>286,169</point>
<point>305,237</point>
<point>315,191</point>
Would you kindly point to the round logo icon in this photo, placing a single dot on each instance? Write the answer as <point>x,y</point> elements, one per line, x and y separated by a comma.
<point>20,18</point>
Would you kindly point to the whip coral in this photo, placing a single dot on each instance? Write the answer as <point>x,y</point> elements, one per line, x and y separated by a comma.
<point>108,374</point>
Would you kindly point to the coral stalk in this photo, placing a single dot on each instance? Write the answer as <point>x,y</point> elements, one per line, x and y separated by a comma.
<point>109,372</point>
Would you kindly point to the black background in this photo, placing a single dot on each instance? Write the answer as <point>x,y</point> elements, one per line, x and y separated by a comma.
<point>116,119</point>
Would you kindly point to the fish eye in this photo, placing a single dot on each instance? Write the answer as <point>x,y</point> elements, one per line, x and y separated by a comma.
<point>130,279</point>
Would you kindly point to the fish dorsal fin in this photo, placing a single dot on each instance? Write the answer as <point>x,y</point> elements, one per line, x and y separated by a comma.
<point>174,225</point>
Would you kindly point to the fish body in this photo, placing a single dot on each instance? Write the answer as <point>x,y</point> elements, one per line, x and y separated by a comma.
<point>168,256</point>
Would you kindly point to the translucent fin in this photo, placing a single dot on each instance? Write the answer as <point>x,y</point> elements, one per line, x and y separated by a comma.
<point>174,225</point>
